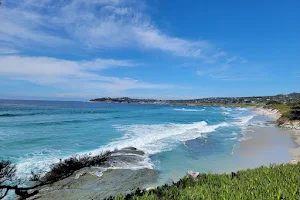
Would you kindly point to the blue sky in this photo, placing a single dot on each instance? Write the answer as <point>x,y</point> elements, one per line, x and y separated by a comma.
<point>78,49</point>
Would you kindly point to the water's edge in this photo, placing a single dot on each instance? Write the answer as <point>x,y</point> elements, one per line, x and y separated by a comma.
<point>121,179</point>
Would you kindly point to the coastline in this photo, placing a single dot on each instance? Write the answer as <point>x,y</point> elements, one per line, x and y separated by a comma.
<point>267,112</point>
<point>292,127</point>
<point>141,177</point>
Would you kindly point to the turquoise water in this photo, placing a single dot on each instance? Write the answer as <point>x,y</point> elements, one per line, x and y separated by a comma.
<point>34,134</point>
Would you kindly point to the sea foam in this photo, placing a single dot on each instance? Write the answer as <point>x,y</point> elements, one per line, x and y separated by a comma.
<point>188,110</point>
<point>151,139</point>
<point>156,138</point>
<point>243,121</point>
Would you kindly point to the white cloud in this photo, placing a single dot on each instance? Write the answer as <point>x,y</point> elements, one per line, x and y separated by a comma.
<point>232,59</point>
<point>4,50</point>
<point>21,27</point>
<point>98,24</point>
<point>200,72</point>
<point>71,75</point>
<point>218,55</point>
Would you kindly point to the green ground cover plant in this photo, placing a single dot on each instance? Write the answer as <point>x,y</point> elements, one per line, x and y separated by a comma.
<point>265,183</point>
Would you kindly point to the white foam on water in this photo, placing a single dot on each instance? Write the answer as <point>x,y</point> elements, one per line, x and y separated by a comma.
<point>145,163</point>
<point>40,162</point>
<point>36,161</point>
<point>242,109</point>
<point>188,110</point>
<point>234,133</point>
<point>243,121</point>
<point>233,148</point>
<point>150,139</point>
<point>226,113</point>
<point>245,138</point>
<point>156,138</point>
<point>226,109</point>
<point>233,138</point>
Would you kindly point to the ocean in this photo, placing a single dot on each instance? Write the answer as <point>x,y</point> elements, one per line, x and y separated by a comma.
<point>35,134</point>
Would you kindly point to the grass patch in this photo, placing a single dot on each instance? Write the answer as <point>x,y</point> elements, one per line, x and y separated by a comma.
<point>282,108</point>
<point>268,183</point>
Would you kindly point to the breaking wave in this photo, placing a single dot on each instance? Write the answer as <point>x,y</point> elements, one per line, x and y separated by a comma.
<point>156,138</point>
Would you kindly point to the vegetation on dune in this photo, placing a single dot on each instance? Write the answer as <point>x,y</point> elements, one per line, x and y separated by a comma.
<point>274,182</point>
<point>289,112</point>
<point>294,112</point>
<point>282,108</point>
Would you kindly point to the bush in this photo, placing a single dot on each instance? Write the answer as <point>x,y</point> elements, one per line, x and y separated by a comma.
<point>67,167</point>
<point>294,114</point>
<point>273,103</point>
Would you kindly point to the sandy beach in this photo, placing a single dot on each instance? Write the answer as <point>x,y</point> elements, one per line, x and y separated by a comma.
<point>265,145</point>
<point>291,130</point>
<point>270,113</point>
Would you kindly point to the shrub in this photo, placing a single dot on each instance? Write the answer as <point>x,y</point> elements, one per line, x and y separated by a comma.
<point>67,167</point>
<point>294,114</point>
<point>273,102</point>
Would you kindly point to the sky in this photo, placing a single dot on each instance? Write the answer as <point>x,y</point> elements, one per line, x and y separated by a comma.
<point>163,49</point>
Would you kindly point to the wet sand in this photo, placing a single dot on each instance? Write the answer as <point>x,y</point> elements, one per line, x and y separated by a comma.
<point>295,151</point>
<point>264,146</point>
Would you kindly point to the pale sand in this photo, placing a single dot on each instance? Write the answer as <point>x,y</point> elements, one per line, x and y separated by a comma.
<point>295,151</point>
<point>271,113</point>
<point>293,130</point>
<point>267,145</point>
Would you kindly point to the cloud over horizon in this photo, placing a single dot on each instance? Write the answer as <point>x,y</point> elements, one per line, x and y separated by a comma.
<point>71,75</point>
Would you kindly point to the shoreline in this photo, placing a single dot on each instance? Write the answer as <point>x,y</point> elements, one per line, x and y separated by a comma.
<point>267,112</point>
<point>292,127</point>
<point>86,177</point>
